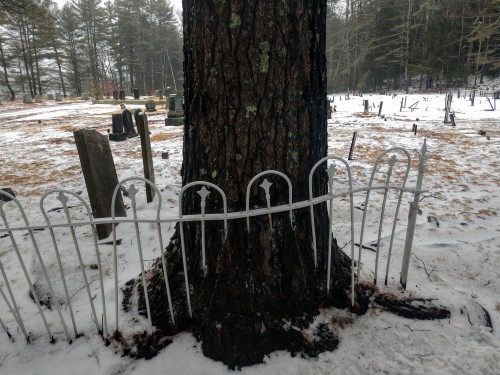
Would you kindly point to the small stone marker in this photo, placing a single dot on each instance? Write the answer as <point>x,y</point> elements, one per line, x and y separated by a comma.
<point>38,98</point>
<point>100,176</point>
<point>50,96</point>
<point>136,94</point>
<point>151,105</point>
<point>147,156</point>
<point>58,97</point>
<point>85,96</point>
<point>27,99</point>
<point>122,95</point>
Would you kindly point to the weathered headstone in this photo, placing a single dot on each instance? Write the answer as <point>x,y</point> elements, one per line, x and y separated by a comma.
<point>115,94</point>
<point>122,95</point>
<point>27,99</point>
<point>38,98</point>
<point>136,118</point>
<point>117,134</point>
<point>175,110</point>
<point>100,176</point>
<point>85,96</point>
<point>50,96</point>
<point>157,93</point>
<point>151,105</point>
<point>58,97</point>
<point>136,94</point>
<point>128,124</point>
<point>147,156</point>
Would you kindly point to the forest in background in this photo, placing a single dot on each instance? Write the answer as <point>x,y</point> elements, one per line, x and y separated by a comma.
<point>96,47</point>
<point>89,46</point>
<point>427,44</point>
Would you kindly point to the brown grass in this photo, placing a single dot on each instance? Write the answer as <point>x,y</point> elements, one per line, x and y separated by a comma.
<point>163,137</point>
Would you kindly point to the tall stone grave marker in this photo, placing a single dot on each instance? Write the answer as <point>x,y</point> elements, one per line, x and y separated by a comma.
<point>122,95</point>
<point>175,114</point>
<point>115,94</point>
<point>117,134</point>
<point>136,94</point>
<point>128,123</point>
<point>147,156</point>
<point>58,97</point>
<point>100,176</point>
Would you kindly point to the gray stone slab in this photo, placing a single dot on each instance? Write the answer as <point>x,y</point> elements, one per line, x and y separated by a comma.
<point>100,176</point>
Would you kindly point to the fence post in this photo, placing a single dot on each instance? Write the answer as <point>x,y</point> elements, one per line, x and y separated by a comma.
<point>412,216</point>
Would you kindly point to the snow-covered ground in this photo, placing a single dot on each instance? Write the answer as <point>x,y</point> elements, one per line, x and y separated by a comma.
<point>456,251</point>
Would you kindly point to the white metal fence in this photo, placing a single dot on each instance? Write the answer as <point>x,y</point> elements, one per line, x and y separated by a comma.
<point>98,271</point>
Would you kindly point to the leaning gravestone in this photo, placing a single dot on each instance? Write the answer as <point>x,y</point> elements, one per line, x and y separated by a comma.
<point>147,156</point>
<point>100,177</point>
<point>27,99</point>
<point>128,124</point>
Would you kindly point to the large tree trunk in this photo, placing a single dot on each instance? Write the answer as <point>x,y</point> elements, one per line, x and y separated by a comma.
<point>255,99</point>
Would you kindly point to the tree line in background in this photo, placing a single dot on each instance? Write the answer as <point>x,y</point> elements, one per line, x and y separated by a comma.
<point>95,47</point>
<point>426,44</point>
<point>89,46</point>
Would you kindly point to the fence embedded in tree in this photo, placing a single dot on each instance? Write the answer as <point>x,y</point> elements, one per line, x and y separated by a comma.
<point>98,272</point>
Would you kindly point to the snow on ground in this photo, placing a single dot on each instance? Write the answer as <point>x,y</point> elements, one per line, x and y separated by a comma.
<point>456,252</point>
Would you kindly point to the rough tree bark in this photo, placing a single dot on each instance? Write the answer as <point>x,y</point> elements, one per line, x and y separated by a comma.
<point>255,99</point>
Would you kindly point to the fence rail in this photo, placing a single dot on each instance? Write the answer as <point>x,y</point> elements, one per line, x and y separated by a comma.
<point>83,240</point>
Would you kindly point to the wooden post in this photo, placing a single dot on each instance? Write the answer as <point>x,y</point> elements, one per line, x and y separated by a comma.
<point>380,109</point>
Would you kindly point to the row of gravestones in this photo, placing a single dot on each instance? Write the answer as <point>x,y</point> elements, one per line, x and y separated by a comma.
<point>122,124</point>
<point>27,99</point>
